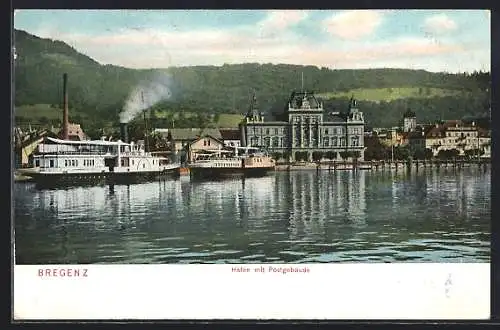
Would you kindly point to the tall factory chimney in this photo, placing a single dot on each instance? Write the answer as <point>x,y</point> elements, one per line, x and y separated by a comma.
<point>65,128</point>
<point>124,132</point>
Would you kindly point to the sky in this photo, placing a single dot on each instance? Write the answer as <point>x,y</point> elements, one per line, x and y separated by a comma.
<point>434,40</point>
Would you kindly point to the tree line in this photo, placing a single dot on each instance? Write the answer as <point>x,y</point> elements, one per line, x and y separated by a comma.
<point>99,91</point>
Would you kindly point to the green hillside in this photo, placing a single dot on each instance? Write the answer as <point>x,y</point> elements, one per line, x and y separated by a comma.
<point>97,93</point>
<point>391,94</point>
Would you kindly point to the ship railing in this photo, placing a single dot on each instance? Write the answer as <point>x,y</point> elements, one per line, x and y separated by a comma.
<point>69,153</point>
<point>134,153</point>
<point>65,170</point>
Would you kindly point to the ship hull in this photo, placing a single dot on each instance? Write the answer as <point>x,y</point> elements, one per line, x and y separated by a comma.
<point>86,179</point>
<point>219,173</point>
<point>138,177</point>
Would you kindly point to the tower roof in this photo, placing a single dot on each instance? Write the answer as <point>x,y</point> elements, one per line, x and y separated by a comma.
<point>253,111</point>
<point>409,114</point>
<point>304,100</point>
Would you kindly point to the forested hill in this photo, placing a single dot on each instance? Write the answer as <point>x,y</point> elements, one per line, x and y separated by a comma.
<point>97,92</point>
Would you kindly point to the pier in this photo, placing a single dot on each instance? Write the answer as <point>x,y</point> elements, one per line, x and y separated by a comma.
<point>384,165</point>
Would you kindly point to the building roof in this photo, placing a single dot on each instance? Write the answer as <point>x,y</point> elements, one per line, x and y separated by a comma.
<point>409,114</point>
<point>304,100</point>
<point>230,134</point>
<point>75,132</point>
<point>453,123</point>
<point>436,131</point>
<point>189,134</point>
<point>36,136</point>
<point>205,136</point>
<point>88,142</point>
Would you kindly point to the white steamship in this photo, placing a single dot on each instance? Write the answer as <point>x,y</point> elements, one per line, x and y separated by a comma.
<point>242,162</point>
<point>64,162</point>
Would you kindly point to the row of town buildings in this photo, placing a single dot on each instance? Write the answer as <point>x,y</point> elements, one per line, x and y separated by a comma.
<point>459,135</point>
<point>309,130</point>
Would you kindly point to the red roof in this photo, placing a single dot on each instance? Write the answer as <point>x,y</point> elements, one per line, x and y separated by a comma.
<point>230,134</point>
<point>452,123</point>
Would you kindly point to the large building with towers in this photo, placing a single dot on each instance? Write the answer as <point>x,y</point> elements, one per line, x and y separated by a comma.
<point>309,131</point>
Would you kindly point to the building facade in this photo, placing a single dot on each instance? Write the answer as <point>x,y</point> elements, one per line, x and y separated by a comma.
<point>307,131</point>
<point>453,135</point>
<point>409,121</point>
<point>231,137</point>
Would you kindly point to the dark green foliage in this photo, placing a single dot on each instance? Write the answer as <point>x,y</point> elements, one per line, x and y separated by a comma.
<point>330,155</point>
<point>317,155</point>
<point>448,154</point>
<point>301,155</point>
<point>277,155</point>
<point>99,91</point>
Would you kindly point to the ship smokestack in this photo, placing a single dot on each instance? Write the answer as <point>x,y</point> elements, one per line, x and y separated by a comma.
<point>65,128</point>
<point>124,132</point>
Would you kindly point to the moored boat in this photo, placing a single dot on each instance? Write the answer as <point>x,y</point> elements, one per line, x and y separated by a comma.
<point>71,162</point>
<point>242,162</point>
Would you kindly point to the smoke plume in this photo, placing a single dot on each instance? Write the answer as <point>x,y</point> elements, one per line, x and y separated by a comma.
<point>145,95</point>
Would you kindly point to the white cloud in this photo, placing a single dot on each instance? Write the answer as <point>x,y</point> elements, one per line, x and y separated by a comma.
<point>439,24</point>
<point>282,19</point>
<point>154,48</point>
<point>353,24</point>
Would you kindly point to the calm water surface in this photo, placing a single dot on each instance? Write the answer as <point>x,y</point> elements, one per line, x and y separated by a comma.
<point>287,217</point>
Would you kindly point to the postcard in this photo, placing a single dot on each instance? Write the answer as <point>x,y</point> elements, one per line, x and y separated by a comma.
<point>251,164</point>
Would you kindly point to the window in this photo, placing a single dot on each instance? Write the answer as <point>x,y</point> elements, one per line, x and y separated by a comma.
<point>355,141</point>
<point>254,141</point>
<point>326,131</point>
<point>51,163</point>
<point>342,142</point>
<point>267,131</point>
<point>334,141</point>
<point>65,162</point>
<point>267,141</point>
<point>37,163</point>
<point>276,142</point>
<point>132,162</point>
<point>276,132</point>
<point>326,141</point>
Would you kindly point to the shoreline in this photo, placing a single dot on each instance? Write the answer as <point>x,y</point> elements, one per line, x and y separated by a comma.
<point>381,165</point>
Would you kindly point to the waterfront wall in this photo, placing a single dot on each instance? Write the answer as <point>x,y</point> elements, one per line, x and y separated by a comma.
<point>384,165</point>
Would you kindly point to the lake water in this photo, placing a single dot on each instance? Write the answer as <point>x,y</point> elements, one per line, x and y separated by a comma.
<point>431,216</point>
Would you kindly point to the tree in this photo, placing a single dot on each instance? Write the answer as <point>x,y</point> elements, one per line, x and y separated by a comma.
<point>356,154</point>
<point>286,155</point>
<point>317,156</point>
<point>374,149</point>
<point>470,153</point>
<point>401,153</point>
<point>330,155</point>
<point>428,154</point>
<point>277,155</point>
<point>418,153</point>
<point>301,155</point>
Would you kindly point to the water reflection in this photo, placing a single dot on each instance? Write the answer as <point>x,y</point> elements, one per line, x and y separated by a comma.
<point>287,217</point>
